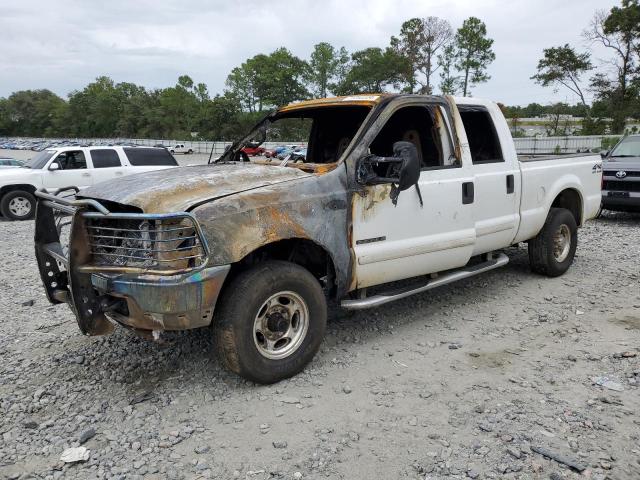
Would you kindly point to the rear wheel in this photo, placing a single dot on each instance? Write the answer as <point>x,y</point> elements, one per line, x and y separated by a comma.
<point>552,251</point>
<point>270,321</point>
<point>18,205</point>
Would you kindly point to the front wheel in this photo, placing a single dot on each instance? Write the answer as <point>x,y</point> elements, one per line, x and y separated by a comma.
<point>270,321</point>
<point>551,252</point>
<point>18,205</point>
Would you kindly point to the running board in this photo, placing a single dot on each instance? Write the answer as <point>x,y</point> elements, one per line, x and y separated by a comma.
<point>465,272</point>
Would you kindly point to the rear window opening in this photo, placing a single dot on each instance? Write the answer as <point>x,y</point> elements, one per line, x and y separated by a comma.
<point>481,134</point>
<point>140,157</point>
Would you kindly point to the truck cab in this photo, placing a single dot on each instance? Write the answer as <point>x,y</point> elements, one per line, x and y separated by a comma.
<point>392,187</point>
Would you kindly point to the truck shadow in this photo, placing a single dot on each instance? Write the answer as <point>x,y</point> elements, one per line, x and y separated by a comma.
<point>186,360</point>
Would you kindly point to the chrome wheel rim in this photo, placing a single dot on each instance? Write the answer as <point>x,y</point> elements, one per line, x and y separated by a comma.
<point>561,243</point>
<point>20,206</point>
<point>281,325</point>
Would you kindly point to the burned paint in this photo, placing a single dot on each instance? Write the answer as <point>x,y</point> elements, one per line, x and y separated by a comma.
<point>179,189</point>
<point>312,208</point>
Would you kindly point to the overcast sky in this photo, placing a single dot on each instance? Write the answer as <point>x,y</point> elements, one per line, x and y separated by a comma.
<point>64,44</point>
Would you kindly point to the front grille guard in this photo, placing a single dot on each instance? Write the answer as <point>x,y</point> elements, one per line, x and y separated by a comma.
<point>56,211</point>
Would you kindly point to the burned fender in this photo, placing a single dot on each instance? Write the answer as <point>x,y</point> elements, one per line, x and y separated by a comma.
<point>313,208</point>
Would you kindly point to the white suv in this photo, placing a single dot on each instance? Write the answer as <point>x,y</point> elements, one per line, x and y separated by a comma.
<point>79,167</point>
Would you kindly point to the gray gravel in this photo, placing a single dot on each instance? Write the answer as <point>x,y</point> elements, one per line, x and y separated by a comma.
<point>462,382</point>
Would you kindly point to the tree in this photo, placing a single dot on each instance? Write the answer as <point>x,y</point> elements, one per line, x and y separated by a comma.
<point>563,66</point>
<point>269,80</point>
<point>31,112</point>
<point>420,41</point>
<point>473,53</point>
<point>618,31</point>
<point>373,70</point>
<point>326,66</point>
<point>449,82</point>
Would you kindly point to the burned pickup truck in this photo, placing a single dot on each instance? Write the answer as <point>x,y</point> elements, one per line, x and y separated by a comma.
<point>393,187</point>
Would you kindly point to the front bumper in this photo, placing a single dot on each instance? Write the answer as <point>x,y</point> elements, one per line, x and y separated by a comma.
<point>143,299</point>
<point>622,201</point>
<point>177,302</point>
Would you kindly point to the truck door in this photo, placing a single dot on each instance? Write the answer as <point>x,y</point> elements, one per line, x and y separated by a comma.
<point>73,171</point>
<point>496,177</point>
<point>106,163</point>
<point>393,242</point>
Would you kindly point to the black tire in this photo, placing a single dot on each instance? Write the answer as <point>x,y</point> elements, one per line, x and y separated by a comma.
<point>190,151</point>
<point>8,205</point>
<point>544,257</point>
<point>235,337</point>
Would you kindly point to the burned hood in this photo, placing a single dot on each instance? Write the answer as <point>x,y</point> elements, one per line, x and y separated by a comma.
<point>179,189</point>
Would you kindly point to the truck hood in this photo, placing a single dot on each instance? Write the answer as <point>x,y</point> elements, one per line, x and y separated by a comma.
<point>18,175</point>
<point>631,164</point>
<point>180,189</point>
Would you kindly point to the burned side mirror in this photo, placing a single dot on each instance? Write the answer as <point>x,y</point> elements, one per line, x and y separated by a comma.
<point>402,170</point>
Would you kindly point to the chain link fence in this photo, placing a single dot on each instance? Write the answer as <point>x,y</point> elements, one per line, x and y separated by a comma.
<point>524,145</point>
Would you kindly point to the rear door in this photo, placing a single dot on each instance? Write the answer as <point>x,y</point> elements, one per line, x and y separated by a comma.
<point>496,175</point>
<point>393,242</point>
<point>107,164</point>
<point>74,170</point>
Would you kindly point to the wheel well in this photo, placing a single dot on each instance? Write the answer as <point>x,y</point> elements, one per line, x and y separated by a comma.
<point>571,200</point>
<point>10,188</point>
<point>300,251</point>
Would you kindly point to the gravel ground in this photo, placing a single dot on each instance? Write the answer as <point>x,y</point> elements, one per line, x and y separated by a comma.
<point>463,382</point>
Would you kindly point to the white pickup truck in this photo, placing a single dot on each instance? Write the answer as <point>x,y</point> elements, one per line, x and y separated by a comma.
<point>78,167</point>
<point>181,148</point>
<point>393,187</point>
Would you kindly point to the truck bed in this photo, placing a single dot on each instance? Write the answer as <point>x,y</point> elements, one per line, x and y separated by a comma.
<point>545,177</point>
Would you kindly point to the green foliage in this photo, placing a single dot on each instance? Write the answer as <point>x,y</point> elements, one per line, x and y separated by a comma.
<point>449,82</point>
<point>327,68</point>
<point>473,53</point>
<point>563,66</point>
<point>374,70</point>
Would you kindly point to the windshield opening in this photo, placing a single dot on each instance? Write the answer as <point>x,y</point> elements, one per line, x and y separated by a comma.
<point>40,160</point>
<point>628,148</point>
<point>310,138</point>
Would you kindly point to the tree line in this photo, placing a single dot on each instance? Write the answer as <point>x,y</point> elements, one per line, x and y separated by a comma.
<point>426,56</point>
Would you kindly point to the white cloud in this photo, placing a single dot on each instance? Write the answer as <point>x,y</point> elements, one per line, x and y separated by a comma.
<point>65,44</point>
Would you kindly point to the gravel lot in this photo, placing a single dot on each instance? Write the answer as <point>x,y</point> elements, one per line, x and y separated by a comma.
<point>461,382</point>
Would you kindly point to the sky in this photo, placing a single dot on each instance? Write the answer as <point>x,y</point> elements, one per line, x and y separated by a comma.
<point>63,45</point>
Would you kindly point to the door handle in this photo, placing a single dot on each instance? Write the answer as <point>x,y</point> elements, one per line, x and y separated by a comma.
<point>118,173</point>
<point>86,174</point>
<point>510,184</point>
<point>467,193</point>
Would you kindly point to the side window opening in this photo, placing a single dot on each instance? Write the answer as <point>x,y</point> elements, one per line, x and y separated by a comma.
<point>481,134</point>
<point>413,124</point>
<point>140,156</point>
<point>72,160</point>
<point>105,158</point>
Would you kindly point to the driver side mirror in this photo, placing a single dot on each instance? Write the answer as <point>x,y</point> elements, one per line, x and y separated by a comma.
<point>604,154</point>
<point>54,166</point>
<point>402,170</point>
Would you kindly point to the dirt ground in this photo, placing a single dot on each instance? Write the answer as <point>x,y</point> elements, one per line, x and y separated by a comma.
<point>465,381</point>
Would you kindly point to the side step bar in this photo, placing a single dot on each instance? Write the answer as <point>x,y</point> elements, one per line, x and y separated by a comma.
<point>465,272</point>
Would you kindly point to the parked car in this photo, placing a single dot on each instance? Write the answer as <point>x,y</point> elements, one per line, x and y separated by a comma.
<point>10,163</point>
<point>79,167</point>
<point>253,150</point>
<point>299,155</point>
<point>431,189</point>
<point>621,177</point>
<point>181,148</point>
